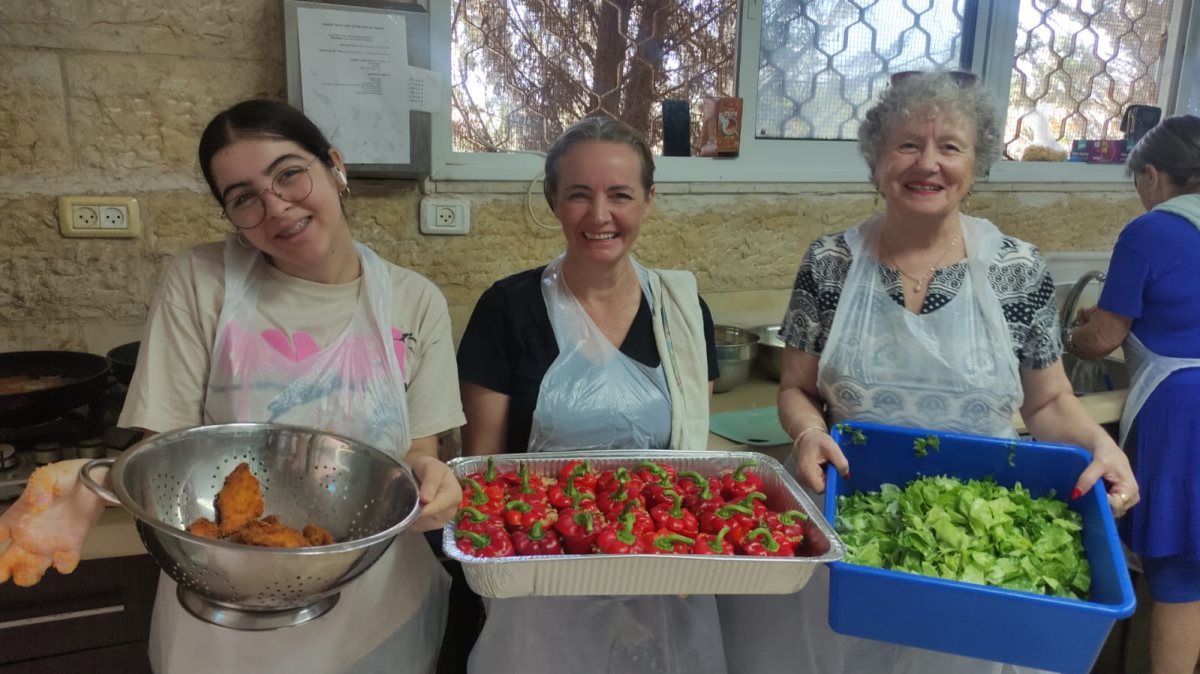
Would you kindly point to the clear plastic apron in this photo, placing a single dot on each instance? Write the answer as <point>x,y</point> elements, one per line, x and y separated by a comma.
<point>1146,371</point>
<point>952,369</point>
<point>595,397</point>
<point>392,617</point>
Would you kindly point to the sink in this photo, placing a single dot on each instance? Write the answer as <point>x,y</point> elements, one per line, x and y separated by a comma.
<point>1090,376</point>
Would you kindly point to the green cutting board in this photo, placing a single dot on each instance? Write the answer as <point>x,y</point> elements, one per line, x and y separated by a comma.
<point>759,427</point>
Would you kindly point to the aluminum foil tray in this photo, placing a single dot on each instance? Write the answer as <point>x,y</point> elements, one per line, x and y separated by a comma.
<point>570,575</point>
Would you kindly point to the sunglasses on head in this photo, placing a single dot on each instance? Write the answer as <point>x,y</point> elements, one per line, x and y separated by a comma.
<point>963,78</point>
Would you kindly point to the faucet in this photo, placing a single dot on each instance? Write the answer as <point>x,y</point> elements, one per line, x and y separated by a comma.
<point>1066,317</point>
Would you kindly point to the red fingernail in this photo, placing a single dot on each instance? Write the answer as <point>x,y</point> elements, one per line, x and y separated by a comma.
<point>1076,494</point>
<point>847,475</point>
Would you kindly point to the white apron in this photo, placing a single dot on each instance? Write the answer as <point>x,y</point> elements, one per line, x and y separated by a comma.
<point>1148,369</point>
<point>595,397</point>
<point>953,369</point>
<point>392,617</point>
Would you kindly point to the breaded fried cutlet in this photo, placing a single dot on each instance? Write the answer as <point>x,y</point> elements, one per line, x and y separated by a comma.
<point>240,501</point>
<point>205,528</point>
<point>269,533</point>
<point>315,535</point>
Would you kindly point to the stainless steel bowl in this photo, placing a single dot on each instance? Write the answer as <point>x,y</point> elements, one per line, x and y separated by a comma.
<point>359,494</point>
<point>735,352</point>
<point>770,351</point>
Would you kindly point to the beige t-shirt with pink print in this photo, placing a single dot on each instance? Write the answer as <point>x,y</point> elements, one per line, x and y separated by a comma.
<point>296,318</point>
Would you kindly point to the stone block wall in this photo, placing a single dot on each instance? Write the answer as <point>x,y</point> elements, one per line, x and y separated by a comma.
<point>110,98</point>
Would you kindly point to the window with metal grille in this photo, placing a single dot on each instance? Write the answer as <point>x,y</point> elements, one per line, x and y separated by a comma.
<point>822,63</point>
<point>524,70</point>
<point>520,71</point>
<point>1079,63</point>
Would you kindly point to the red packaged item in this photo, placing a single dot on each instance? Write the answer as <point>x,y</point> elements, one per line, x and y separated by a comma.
<point>538,540</point>
<point>721,131</point>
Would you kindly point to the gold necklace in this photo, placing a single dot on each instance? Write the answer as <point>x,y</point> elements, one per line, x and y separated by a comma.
<point>918,282</point>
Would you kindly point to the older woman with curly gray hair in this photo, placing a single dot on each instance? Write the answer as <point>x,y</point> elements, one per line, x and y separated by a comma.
<point>919,316</point>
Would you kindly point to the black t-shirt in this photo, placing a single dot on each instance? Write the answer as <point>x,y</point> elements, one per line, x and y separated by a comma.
<point>509,345</point>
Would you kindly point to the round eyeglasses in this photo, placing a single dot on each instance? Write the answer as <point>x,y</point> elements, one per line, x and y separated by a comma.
<point>245,208</point>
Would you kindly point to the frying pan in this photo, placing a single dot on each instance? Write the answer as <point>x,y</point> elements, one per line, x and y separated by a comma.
<point>123,358</point>
<point>85,373</point>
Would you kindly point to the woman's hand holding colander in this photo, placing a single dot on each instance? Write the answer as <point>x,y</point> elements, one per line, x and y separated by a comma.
<point>440,493</point>
<point>48,523</point>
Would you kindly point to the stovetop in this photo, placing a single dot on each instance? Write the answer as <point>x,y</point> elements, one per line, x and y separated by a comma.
<point>89,432</point>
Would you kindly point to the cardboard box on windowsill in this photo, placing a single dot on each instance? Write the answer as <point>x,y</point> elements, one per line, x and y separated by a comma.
<point>1100,151</point>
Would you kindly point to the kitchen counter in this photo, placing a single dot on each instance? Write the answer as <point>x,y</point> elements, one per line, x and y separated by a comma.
<point>113,536</point>
<point>760,391</point>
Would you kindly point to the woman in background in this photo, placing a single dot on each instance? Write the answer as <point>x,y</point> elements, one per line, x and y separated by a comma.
<point>1150,307</point>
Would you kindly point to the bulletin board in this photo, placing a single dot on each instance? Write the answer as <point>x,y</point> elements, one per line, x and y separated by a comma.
<point>360,70</point>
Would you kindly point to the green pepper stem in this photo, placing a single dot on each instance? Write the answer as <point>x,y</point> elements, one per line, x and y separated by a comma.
<point>727,511</point>
<point>740,473</point>
<point>475,514</point>
<point>478,541</point>
<point>718,544</point>
<point>478,497</point>
<point>625,533</point>
<point>519,506</point>
<point>535,532</point>
<point>791,517</point>
<point>490,473</point>
<point>700,480</point>
<point>770,543</point>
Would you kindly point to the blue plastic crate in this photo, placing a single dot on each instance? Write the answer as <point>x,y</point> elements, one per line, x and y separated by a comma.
<point>991,623</point>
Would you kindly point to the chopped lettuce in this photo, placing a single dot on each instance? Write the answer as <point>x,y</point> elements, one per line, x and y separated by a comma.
<point>976,532</point>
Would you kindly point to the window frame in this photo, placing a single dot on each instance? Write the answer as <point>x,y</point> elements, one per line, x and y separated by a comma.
<point>823,161</point>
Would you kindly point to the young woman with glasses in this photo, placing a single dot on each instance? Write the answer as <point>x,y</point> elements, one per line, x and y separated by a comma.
<point>288,320</point>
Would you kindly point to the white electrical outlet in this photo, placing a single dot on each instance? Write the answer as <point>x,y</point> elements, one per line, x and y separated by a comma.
<point>114,217</point>
<point>84,217</point>
<point>91,216</point>
<point>445,215</point>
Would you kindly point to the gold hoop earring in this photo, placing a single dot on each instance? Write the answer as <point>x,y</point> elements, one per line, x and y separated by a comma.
<point>243,241</point>
<point>966,203</point>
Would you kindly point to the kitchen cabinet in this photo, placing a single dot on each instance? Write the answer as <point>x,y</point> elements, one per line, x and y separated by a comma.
<point>96,619</point>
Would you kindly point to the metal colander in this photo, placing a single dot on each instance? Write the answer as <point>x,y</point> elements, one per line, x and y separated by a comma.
<point>363,497</point>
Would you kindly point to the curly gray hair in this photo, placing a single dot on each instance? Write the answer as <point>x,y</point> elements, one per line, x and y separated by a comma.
<point>934,90</point>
